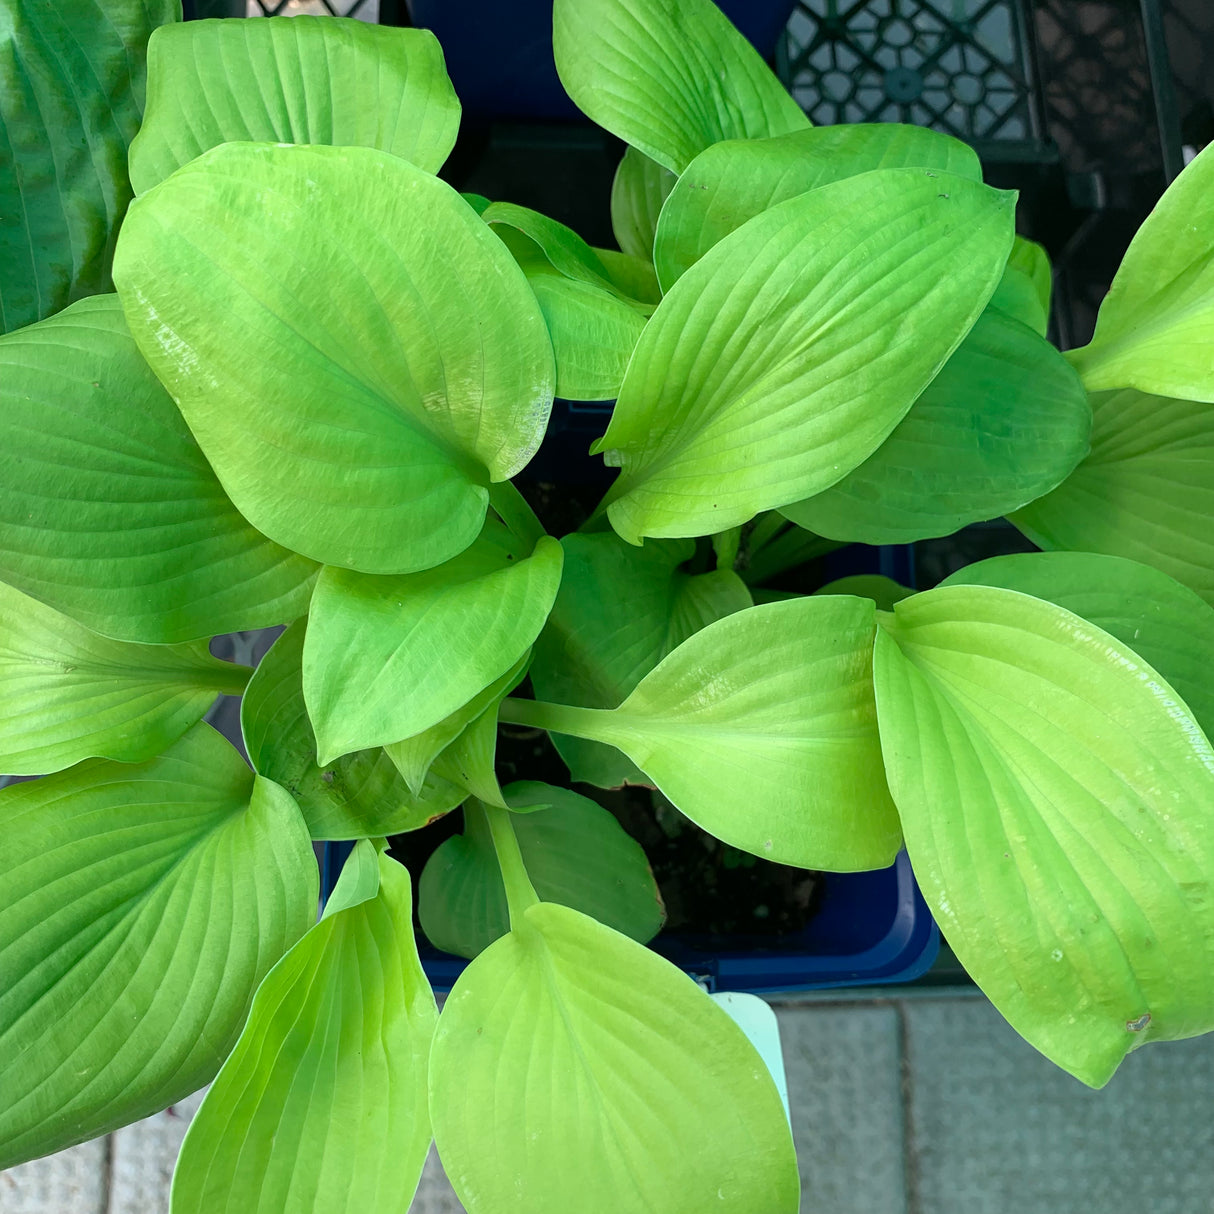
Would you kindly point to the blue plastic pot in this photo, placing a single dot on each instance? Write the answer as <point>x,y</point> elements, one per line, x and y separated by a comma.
<point>869,929</point>
<point>499,56</point>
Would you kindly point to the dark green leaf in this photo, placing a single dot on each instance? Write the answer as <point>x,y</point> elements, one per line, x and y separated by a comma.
<point>71,92</point>
<point>576,854</point>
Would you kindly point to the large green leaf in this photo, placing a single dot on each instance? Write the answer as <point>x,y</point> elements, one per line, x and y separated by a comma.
<point>668,77</point>
<point>357,796</point>
<point>638,190</point>
<point>140,906</point>
<point>593,324</point>
<point>761,729</point>
<point>1146,490</point>
<point>619,612</point>
<point>1168,625</point>
<point>528,234</point>
<point>322,1104</point>
<point>787,353</point>
<point>883,591</point>
<point>1025,288</point>
<point>573,1069</point>
<point>470,761</point>
<point>593,334</point>
<point>69,694</point>
<point>1056,798</point>
<point>632,275</point>
<point>1004,422</point>
<point>773,546</point>
<point>415,756</point>
<point>331,80</point>
<point>576,854</point>
<point>1155,330</point>
<point>396,360</point>
<point>90,443</point>
<point>71,92</point>
<point>388,657</point>
<point>731,182</point>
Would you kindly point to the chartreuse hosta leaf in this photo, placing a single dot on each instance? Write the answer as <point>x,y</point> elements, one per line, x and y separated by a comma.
<point>593,325</point>
<point>761,729</point>
<point>88,441</point>
<point>1165,623</point>
<point>639,189</point>
<point>1154,331</point>
<point>388,657</point>
<point>71,91</point>
<point>469,761</point>
<point>593,333</point>
<point>573,1069</point>
<point>1024,290</point>
<point>458,739</point>
<point>619,612</point>
<point>576,854</point>
<point>1146,490</point>
<point>774,545</point>
<point>69,694</point>
<point>322,1104</point>
<point>332,80</point>
<point>1056,797</point>
<point>1003,423</point>
<point>731,182</point>
<point>783,358</point>
<point>632,275</point>
<point>140,906</point>
<point>883,591</point>
<point>528,233</point>
<point>667,78</point>
<point>402,362</point>
<point>356,796</point>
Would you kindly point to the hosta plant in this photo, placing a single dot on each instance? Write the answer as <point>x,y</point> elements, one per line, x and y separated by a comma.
<point>299,394</point>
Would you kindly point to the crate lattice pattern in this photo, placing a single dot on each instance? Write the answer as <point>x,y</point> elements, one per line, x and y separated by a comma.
<point>960,66</point>
<point>364,10</point>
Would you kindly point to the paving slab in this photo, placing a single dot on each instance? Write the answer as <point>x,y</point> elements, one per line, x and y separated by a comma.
<point>71,1182</point>
<point>997,1129</point>
<point>142,1158</point>
<point>912,1106</point>
<point>844,1089</point>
